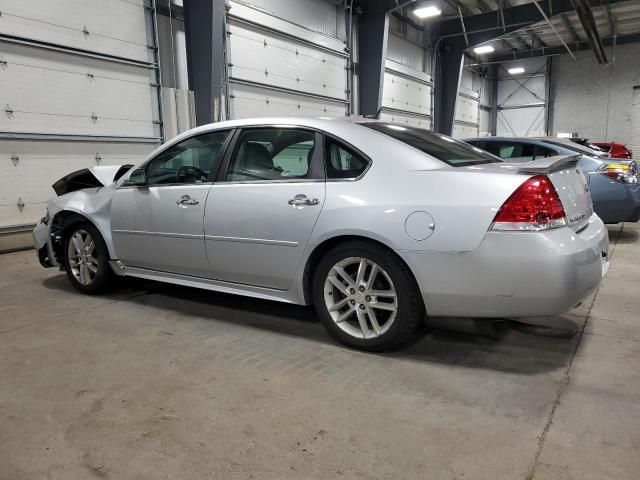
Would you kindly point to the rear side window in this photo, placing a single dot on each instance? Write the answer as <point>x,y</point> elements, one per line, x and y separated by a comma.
<point>272,154</point>
<point>452,152</point>
<point>342,162</point>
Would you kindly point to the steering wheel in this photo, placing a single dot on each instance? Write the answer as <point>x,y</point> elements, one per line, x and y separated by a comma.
<point>187,173</point>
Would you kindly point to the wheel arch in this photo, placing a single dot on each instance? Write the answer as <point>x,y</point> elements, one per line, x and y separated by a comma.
<point>325,246</point>
<point>63,220</point>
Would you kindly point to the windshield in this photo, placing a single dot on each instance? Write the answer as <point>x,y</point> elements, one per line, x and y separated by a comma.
<point>446,149</point>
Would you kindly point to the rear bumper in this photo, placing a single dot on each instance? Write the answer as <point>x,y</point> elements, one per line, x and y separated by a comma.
<point>511,275</point>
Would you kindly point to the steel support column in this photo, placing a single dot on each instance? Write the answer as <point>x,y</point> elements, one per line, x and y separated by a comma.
<point>493,115</point>
<point>373,27</point>
<point>205,39</point>
<point>447,82</point>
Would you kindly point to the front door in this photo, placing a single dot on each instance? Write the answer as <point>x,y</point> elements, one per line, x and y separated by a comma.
<point>261,212</point>
<point>157,220</point>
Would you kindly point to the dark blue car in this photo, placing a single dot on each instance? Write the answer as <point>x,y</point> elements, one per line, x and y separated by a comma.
<point>614,183</point>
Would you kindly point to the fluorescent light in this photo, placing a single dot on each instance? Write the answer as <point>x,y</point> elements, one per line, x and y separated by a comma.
<point>427,12</point>
<point>484,49</point>
<point>564,135</point>
<point>396,127</point>
<point>515,70</point>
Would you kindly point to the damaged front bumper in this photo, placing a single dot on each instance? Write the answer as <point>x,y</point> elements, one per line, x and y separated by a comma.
<point>42,243</point>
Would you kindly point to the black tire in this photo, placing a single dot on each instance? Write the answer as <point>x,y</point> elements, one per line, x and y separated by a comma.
<point>102,280</point>
<point>410,308</point>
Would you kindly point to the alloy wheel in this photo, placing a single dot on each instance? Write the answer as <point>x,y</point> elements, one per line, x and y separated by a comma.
<point>360,297</point>
<point>80,251</point>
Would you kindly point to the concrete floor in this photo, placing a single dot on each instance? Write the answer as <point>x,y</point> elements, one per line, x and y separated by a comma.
<point>162,382</point>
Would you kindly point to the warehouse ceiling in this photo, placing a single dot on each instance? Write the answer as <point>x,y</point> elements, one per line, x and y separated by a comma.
<point>613,22</point>
<point>620,21</point>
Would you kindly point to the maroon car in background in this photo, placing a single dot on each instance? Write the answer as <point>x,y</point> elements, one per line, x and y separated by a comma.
<point>615,150</point>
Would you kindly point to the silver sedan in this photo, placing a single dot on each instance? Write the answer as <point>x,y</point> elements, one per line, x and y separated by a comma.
<point>375,224</point>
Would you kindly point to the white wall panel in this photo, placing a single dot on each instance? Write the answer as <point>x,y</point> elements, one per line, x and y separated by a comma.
<point>522,90</point>
<point>70,100</point>
<point>246,13</point>
<point>595,100</point>
<point>261,56</point>
<point>404,52</point>
<point>467,108</point>
<point>521,122</point>
<point>114,27</point>
<point>268,54</point>
<point>250,101</point>
<point>413,120</point>
<point>58,93</point>
<point>461,131</point>
<point>41,163</point>
<point>485,123</point>
<point>318,15</point>
<point>402,93</point>
<point>406,95</point>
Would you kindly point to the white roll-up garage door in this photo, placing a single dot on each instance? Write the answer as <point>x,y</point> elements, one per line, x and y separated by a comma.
<point>78,87</point>
<point>467,117</point>
<point>406,95</point>
<point>278,68</point>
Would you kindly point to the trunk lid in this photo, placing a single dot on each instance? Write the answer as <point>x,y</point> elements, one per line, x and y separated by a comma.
<point>568,180</point>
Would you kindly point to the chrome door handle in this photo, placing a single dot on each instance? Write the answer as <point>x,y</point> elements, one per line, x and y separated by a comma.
<point>301,200</point>
<point>187,200</point>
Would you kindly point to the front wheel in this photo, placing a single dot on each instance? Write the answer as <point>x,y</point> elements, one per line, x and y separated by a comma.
<point>366,297</point>
<point>86,259</point>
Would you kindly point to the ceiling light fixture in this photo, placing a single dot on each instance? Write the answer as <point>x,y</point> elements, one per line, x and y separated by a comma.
<point>515,70</point>
<point>484,49</point>
<point>427,12</point>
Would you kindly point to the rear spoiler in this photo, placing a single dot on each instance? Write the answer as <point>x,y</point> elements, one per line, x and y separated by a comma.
<point>547,165</point>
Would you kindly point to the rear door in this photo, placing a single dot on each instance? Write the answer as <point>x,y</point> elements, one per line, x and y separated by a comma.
<point>264,205</point>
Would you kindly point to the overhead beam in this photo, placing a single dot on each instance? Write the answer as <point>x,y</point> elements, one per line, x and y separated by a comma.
<point>526,12</point>
<point>585,14</point>
<point>559,50</point>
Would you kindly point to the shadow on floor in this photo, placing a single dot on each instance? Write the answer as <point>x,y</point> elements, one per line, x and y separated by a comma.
<point>510,347</point>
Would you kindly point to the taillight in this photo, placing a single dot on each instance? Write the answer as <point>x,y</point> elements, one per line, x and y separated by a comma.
<point>621,172</point>
<point>534,206</point>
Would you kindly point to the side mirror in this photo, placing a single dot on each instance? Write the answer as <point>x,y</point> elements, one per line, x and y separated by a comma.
<point>137,177</point>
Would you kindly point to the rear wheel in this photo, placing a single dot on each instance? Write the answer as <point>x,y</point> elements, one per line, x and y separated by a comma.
<point>86,259</point>
<point>366,297</point>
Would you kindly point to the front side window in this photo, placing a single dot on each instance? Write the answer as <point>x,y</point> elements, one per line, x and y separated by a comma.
<point>342,162</point>
<point>272,154</point>
<point>446,149</point>
<point>190,161</point>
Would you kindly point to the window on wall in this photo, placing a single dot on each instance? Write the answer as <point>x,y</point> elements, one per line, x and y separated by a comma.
<point>190,161</point>
<point>272,154</point>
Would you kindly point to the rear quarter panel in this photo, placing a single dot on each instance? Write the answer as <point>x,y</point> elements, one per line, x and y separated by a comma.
<point>462,201</point>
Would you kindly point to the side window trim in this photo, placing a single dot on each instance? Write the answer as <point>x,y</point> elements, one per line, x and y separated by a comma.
<point>210,179</point>
<point>316,168</point>
<point>328,137</point>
